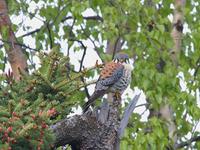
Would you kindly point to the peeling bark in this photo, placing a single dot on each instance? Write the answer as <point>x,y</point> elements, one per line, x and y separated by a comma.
<point>16,57</point>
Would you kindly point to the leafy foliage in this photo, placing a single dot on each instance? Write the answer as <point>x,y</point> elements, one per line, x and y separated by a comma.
<point>54,87</point>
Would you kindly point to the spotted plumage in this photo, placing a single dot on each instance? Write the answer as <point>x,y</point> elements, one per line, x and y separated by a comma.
<point>114,77</point>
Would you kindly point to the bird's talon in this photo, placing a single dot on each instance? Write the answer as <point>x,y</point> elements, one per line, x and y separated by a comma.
<point>84,71</point>
<point>118,95</point>
<point>96,64</point>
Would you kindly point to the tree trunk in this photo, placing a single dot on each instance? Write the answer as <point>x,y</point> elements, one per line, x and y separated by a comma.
<point>166,111</point>
<point>16,57</point>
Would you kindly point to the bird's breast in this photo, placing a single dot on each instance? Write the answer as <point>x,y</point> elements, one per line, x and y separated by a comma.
<point>124,81</point>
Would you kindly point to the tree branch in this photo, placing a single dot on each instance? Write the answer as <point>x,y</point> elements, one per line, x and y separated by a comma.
<point>20,44</point>
<point>197,67</point>
<point>63,20</point>
<point>95,47</point>
<point>84,53</point>
<point>127,113</point>
<point>87,132</point>
<point>50,36</point>
<point>187,143</point>
<point>66,81</point>
<point>81,66</point>
<point>98,18</point>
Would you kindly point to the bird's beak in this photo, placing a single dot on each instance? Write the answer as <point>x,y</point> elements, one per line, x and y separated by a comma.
<point>127,61</point>
<point>121,60</point>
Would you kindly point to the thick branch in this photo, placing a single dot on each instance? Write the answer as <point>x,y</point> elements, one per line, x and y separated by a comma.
<point>87,132</point>
<point>69,131</point>
<point>15,55</point>
<point>127,113</point>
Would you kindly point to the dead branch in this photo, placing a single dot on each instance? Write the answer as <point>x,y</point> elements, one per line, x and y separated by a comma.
<point>87,131</point>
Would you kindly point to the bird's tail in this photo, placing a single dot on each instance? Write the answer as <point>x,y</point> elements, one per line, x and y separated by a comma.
<point>93,97</point>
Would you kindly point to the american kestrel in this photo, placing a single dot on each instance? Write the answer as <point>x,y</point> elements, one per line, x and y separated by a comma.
<point>114,78</point>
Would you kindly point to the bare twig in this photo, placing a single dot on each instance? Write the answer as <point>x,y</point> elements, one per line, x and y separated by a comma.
<point>198,66</point>
<point>50,36</point>
<point>187,143</point>
<point>81,86</point>
<point>64,82</point>
<point>81,66</point>
<point>85,88</point>
<point>70,35</point>
<point>4,63</point>
<point>63,20</point>
<point>93,42</point>
<point>115,47</point>
<point>98,18</point>
<point>84,53</point>
<point>140,105</point>
<point>32,32</point>
<point>20,44</point>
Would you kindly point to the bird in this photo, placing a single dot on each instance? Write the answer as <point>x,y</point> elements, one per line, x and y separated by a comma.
<point>114,78</point>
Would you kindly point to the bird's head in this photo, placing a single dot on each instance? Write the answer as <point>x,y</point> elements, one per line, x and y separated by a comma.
<point>121,58</point>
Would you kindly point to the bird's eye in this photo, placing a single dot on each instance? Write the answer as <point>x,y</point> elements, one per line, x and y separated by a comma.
<point>115,60</point>
<point>127,60</point>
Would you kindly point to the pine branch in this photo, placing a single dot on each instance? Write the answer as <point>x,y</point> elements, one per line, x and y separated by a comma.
<point>45,80</point>
<point>82,73</point>
<point>81,86</point>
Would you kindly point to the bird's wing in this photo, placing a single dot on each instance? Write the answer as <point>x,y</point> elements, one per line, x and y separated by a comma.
<point>110,74</point>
